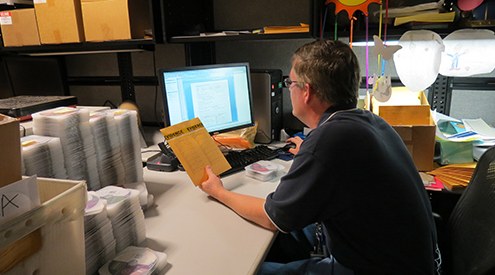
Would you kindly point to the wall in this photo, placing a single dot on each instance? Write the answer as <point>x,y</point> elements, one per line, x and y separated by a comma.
<point>255,14</point>
<point>473,104</point>
<point>5,90</point>
<point>31,76</point>
<point>145,63</point>
<point>265,54</point>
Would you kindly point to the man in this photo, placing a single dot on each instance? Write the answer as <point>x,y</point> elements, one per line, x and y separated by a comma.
<point>352,175</point>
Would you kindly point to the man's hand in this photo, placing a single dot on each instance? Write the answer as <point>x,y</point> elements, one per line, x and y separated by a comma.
<point>213,185</point>
<point>297,141</point>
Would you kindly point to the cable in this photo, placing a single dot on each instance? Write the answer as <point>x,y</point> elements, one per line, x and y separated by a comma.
<point>112,105</point>
<point>23,130</point>
<point>157,120</point>
<point>322,33</point>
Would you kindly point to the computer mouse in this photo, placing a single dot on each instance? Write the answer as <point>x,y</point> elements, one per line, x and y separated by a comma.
<point>288,146</point>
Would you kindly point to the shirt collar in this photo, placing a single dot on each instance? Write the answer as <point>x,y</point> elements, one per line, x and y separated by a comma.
<point>333,109</point>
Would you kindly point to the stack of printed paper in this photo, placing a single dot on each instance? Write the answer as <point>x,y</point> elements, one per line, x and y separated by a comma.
<point>454,176</point>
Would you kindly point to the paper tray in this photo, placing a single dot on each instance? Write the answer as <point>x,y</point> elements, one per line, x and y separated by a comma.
<point>61,221</point>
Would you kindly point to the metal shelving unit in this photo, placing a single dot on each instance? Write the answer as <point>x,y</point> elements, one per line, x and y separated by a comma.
<point>238,37</point>
<point>82,48</point>
<point>14,2</point>
<point>200,50</point>
<point>122,48</point>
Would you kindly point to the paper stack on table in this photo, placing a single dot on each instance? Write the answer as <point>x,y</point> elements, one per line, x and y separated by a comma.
<point>454,176</point>
<point>485,133</point>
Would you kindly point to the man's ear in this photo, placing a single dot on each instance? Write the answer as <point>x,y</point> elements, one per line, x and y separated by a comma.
<point>308,93</point>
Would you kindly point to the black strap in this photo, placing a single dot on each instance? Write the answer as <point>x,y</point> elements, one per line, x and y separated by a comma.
<point>320,248</point>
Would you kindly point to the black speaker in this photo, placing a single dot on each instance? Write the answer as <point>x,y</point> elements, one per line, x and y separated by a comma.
<point>266,87</point>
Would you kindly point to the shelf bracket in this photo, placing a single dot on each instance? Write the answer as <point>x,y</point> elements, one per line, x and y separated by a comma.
<point>126,75</point>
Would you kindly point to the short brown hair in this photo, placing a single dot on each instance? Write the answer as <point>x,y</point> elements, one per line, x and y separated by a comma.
<point>331,68</point>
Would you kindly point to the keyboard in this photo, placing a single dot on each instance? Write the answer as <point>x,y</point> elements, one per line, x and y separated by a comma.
<point>240,159</point>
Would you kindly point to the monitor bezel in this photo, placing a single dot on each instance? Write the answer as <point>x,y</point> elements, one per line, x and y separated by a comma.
<point>166,116</point>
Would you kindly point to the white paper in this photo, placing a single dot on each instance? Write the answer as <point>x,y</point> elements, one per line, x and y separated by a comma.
<point>479,126</point>
<point>468,52</point>
<point>18,198</point>
<point>418,62</point>
<point>459,137</point>
<point>5,18</point>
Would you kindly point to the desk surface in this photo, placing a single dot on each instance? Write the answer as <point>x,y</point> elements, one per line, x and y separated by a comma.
<point>201,235</point>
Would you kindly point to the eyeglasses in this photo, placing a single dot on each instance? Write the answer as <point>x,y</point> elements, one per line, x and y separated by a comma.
<point>288,82</point>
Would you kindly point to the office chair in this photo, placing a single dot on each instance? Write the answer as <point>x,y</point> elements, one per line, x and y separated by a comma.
<point>471,226</point>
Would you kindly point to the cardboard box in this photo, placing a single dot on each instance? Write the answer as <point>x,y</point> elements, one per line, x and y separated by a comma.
<point>19,28</point>
<point>420,142</point>
<point>10,172</point>
<point>60,221</point>
<point>59,21</point>
<point>10,150</point>
<point>404,108</point>
<point>412,120</point>
<point>127,19</point>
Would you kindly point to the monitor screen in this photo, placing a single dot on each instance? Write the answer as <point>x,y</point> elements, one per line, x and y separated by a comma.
<point>220,95</point>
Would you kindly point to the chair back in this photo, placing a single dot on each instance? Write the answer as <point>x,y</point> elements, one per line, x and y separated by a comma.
<point>472,222</point>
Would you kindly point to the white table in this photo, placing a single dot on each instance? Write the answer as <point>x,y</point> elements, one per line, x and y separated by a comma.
<point>201,235</point>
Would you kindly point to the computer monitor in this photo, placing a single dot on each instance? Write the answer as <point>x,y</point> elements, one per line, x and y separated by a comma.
<point>219,94</point>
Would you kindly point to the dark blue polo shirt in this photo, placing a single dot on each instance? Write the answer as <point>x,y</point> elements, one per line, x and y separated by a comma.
<point>354,174</point>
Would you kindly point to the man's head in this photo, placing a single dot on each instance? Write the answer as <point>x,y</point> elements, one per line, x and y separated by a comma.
<point>330,68</point>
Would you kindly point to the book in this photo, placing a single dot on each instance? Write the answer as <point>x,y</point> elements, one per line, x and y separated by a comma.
<point>430,17</point>
<point>430,182</point>
<point>195,149</point>
<point>414,7</point>
<point>286,29</point>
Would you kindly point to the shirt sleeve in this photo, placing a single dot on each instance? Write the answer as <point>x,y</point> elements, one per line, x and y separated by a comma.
<point>302,196</point>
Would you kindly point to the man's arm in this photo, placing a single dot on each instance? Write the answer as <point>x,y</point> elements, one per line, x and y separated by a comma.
<point>248,207</point>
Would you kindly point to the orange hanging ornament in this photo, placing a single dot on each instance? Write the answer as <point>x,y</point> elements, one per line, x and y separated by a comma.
<point>351,6</point>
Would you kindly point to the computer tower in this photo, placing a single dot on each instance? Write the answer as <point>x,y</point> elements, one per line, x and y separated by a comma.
<point>266,87</point>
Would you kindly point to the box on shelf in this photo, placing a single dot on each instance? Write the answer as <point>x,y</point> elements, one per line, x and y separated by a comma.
<point>19,28</point>
<point>60,223</point>
<point>10,152</point>
<point>127,19</point>
<point>410,115</point>
<point>59,21</point>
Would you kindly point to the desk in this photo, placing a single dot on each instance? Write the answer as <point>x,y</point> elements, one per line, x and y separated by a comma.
<point>201,235</point>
